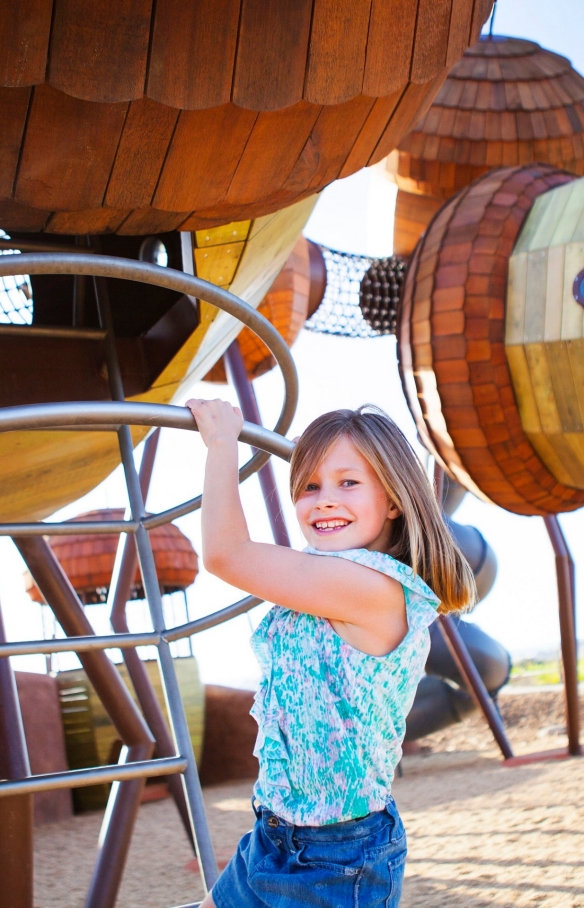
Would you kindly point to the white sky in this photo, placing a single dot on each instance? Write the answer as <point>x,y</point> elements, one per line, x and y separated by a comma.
<point>354,215</point>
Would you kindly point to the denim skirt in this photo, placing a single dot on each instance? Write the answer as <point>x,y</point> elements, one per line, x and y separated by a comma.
<point>355,864</point>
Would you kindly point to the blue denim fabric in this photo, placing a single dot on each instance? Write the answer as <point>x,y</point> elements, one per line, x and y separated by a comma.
<point>355,864</point>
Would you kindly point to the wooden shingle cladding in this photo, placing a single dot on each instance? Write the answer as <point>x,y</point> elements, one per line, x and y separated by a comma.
<point>205,112</point>
<point>507,102</point>
<point>451,342</point>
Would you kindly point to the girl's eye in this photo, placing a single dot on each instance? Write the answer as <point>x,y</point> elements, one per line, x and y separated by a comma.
<point>311,487</point>
<point>350,482</point>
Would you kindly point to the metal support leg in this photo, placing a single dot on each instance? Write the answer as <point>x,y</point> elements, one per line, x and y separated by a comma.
<point>120,590</point>
<point>567,609</point>
<point>249,408</point>
<point>16,813</point>
<point>194,794</point>
<point>125,797</point>
<point>463,659</point>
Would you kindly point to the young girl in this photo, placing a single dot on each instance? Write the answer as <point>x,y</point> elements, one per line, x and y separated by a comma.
<point>341,654</point>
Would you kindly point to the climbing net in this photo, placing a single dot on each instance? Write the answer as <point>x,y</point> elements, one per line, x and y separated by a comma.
<point>15,294</point>
<point>362,295</point>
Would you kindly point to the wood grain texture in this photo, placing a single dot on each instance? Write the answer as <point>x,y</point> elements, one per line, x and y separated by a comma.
<point>24,41</point>
<point>430,54</point>
<point>506,102</point>
<point>99,48</point>
<point>338,43</point>
<point>451,338</point>
<point>68,151</point>
<point>14,104</point>
<point>271,53</point>
<point>193,53</point>
<point>388,62</point>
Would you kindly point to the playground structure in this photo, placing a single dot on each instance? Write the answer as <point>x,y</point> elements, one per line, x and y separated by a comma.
<point>226,200</point>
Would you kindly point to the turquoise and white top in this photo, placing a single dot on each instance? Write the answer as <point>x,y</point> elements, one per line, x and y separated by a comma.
<point>332,718</point>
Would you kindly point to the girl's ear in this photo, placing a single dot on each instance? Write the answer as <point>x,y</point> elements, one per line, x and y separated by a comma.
<point>393,512</point>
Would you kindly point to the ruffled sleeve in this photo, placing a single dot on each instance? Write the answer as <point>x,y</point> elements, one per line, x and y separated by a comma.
<point>421,602</point>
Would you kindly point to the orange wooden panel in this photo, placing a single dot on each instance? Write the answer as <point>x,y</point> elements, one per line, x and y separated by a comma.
<point>68,150</point>
<point>14,106</point>
<point>431,43</point>
<point>336,59</point>
<point>459,32</point>
<point>412,105</point>
<point>22,217</point>
<point>102,220</point>
<point>151,220</point>
<point>198,174</point>
<point>272,50</point>
<point>193,52</point>
<point>99,48</point>
<point>24,41</point>
<point>366,142</point>
<point>141,152</point>
<point>388,62</point>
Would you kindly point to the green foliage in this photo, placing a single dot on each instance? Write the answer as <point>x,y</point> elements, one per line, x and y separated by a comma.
<point>536,672</point>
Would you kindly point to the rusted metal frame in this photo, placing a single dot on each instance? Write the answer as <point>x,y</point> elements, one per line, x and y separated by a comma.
<point>565,576</point>
<point>16,815</point>
<point>120,590</point>
<point>250,410</point>
<point>463,660</point>
<point>123,712</point>
<point>80,778</point>
<point>180,729</point>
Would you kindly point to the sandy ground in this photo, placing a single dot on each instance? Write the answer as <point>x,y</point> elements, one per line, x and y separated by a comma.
<point>480,834</point>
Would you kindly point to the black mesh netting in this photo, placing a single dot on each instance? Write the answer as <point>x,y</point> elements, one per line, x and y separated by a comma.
<point>15,294</point>
<point>362,295</point>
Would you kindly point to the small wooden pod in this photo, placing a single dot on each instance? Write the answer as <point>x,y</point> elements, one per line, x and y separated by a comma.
<point>88,561</point>
<point>451,344</point>
<point>507,102</point>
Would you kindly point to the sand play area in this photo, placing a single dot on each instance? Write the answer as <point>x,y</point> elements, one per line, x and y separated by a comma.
<point>480,834</point>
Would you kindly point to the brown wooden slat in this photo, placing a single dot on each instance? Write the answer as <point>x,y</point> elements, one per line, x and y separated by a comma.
<point>273,148</point>
<point>411,107</point>
<point>24,41</point>
<point>99,48</point>
<point>21,217</point>
<point>13,107</point>
<point>141,152</point>
<point>193,52</point>
<point>431,42</point>
<point>271,53</point>
<point>374,126</point>
<point>68,151</point>
<point>151,220</point>
<point>102,220</point>
<point>459,31</point>
<point>198,174</point>
<point>481,12</point>
<point>336,58</point>
<point>388,62</point>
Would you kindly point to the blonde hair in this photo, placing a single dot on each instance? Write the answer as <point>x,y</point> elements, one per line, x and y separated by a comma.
<point>420,536</point>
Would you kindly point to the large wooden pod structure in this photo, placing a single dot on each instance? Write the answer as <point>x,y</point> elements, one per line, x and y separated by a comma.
<point>88,561</point>
<point>451,343</point>
<point>507,102</point>
<point>138,117</point>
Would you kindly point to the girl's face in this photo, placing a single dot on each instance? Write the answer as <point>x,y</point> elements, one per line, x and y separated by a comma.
<point>344,504</point>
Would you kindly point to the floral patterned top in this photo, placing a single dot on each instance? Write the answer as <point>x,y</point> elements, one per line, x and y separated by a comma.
<point>332,718</point>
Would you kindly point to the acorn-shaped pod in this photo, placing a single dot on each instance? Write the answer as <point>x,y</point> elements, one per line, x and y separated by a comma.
<point>468,397</point>
<point>507,102</point>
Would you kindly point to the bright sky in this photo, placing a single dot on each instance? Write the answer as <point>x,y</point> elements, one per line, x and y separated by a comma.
<point>354,215</point>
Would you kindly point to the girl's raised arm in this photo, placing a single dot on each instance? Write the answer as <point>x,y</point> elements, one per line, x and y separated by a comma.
<point>332,588</point>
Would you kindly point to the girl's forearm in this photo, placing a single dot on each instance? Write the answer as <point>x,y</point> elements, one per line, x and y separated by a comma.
<point>223,521</point>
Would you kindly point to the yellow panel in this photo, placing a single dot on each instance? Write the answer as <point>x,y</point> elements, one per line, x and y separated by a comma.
<point>542,388</point>
<point>575,350</point>
<point>572,312</point>
<point>563,385</point>
<point>218,264</point>
<point>516,290</point>
<point>524,395</point>
<point>234,232</point>
<point>556,463</point>
<point>569,457</point>
<point>535,296</point>
<point>554,293</point>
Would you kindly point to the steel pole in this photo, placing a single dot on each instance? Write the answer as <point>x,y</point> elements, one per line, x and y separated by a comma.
<point>251,413</point>
<point>16,813</point>
<point>120,591</point>
<point>567,609</point>
<point>463,659</point>
<point>124,798</point>
<point>180,729</point>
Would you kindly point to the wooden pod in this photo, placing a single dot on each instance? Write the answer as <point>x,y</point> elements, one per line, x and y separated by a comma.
<point>507,102</point>
<point>88,561</point>
<point>451,343</point>
<point>285,305</point>
<point>544,334</point>
<point>135,116</point>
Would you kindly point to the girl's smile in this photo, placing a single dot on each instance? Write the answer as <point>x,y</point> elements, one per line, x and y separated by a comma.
<point>344,504</point>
